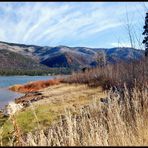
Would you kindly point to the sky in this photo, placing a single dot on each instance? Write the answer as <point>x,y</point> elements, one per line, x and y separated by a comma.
<point>87,24</point>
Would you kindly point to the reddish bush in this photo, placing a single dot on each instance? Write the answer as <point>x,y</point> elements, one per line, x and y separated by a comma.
<point>34,86</point>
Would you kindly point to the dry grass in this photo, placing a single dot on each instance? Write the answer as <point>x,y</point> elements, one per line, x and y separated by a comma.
<point>55,99</point>
<point>65,94</point>
<point>120,122</point>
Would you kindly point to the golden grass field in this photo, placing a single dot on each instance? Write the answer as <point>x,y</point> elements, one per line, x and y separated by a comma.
<point>72,115</point>
<point>55,100</point>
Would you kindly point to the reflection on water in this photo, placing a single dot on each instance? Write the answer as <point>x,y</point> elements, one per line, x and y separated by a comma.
<point>7,96</point>
<point>6,81</point>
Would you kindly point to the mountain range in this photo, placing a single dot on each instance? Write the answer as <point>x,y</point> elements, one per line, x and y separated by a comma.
<point>23,56</point>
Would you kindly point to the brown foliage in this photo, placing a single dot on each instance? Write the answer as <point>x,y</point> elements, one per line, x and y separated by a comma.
<point>34,86</point>
<point>114,75</point>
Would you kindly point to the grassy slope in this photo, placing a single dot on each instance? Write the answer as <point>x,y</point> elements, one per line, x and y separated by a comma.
<point>56,99</point>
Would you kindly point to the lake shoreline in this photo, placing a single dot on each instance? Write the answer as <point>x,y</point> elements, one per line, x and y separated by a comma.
<point>31,93</point>
<point>6,95</point>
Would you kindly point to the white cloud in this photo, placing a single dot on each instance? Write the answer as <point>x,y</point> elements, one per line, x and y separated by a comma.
<point>116,44</point>
<point>39,23</point>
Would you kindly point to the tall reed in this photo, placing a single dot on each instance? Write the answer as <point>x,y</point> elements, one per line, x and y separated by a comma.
<point>121,121</point>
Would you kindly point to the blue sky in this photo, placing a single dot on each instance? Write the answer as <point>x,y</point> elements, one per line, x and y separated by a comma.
<point>89,24</point>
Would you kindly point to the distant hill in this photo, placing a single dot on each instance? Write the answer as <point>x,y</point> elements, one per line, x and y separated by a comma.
<point>12,60</point>
<point>62,56</point>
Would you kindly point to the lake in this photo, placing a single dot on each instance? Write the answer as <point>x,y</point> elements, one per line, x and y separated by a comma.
<point>6,81</point>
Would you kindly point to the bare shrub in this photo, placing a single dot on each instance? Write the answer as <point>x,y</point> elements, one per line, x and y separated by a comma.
<point>113,75</point>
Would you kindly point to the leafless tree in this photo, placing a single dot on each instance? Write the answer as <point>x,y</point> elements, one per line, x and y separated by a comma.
<point>101,58</point>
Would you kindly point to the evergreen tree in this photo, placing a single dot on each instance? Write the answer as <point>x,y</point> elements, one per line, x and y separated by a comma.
<point>145,33</point>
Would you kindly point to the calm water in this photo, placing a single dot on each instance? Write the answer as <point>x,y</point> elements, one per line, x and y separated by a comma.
<point>6,81</point>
